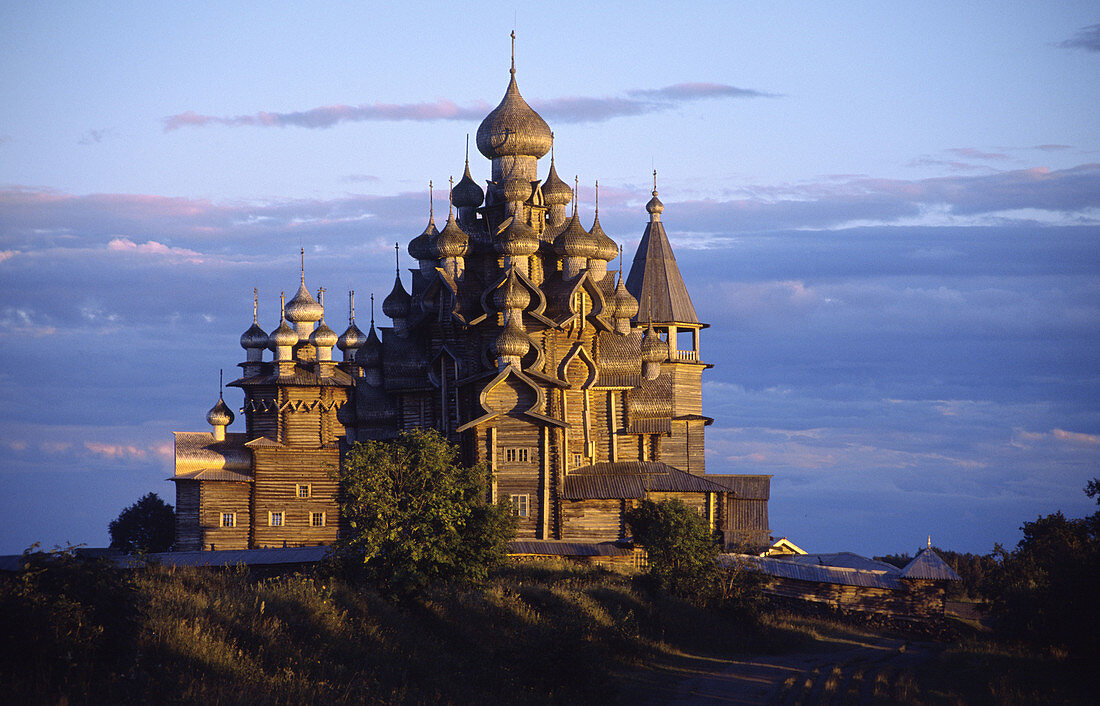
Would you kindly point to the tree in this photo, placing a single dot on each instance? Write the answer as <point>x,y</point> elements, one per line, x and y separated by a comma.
<point>149,525</point>
<point>417,516</point>
<point>681,549</point>
<point>1045,589</point>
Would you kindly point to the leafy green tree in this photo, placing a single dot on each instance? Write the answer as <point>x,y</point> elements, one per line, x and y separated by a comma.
<point>1045,589</point>
<point>149,525</point>
<point>680,547</point>
<point>417,516</point>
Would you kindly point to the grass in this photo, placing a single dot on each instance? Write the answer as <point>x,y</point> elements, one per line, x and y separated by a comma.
<point>78,632</point>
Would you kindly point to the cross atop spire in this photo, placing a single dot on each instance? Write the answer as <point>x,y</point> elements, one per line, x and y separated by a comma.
<point>255,305</point>
<point>451,198</point>
<point>282,305</point>
<point>431,193</point>
<point>575,194</point>
<point>513,71</point>
<point>372,309</point>
<point>221,389</point>
<point>351,307</point>
<point>654,182</point>
<point>397,257</point>
<point>597,198</point>
<point>302,254</point>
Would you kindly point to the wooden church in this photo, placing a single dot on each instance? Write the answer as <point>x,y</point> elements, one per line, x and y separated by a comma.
<point>579,388</point>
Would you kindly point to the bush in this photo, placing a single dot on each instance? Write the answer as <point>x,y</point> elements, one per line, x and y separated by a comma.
<point>1045,589</point>
<point>149,525</point>
<point>680,547</point>
<point>417,516</point>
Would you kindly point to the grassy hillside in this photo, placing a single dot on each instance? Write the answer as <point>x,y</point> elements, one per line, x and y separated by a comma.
<point>80,632</point>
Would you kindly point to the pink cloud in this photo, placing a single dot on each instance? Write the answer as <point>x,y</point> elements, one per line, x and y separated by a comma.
<point>115,451</point>
<point>152,247</point>
<point>1075,437</point>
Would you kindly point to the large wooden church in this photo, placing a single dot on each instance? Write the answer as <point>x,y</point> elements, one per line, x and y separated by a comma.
<point>579,388</point>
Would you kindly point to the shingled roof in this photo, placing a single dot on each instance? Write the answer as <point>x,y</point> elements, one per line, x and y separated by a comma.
<point>631,479</point>
<point>656,283</point>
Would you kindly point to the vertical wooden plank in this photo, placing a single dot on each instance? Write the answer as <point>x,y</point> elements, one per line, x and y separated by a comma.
<point>493,462</point>
<point>545,464</point>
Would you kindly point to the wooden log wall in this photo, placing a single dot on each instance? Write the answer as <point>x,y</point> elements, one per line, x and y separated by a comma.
<point>217,497</point>
<point>592,520</point>
<point>276,473</point>
<point>188,535</point>
<point>520,476</point>
<point>912,601</point>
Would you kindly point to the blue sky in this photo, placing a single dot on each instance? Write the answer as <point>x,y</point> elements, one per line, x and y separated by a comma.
<point>889,214</point>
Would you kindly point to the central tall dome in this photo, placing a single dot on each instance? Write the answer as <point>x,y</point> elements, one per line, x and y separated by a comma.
<point>517,338</point>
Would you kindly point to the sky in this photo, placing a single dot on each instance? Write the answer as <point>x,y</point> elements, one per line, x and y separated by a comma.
<point>888,213</point>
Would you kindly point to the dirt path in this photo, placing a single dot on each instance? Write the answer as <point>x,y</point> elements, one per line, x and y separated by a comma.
<point>854,669</point>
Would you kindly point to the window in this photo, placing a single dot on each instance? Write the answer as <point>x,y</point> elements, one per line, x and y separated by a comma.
<point>516,455</point>
<point>316,519</point>
<point>303,491</point>
<point>274,519</point>
<point>521,506</point>
<point>229,519</point>
<point>578,460</point>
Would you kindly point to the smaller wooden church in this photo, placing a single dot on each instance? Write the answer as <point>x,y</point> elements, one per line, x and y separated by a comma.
<point>577,385</point>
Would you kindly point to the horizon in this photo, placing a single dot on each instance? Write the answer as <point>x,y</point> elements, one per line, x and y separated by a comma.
<point>890,221</point>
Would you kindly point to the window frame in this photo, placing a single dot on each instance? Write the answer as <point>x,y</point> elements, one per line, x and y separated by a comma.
<point>521,504</point>
<point>298,487</point>
<point>232,520</point>
<point>271,514</point>
<point>314,525</point>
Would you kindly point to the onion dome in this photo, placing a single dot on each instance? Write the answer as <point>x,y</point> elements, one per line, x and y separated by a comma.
<point>512,341</point>
<point>303,308</point>
<point>513,128</point>
<point>654,350</point>
<point>623,303</point>
<point>466,193</point>
<point>420,246</point>
<point>604,247</point>
<point>452,241</point>
<point>254,337</point>
<point>398,303</point>
<point>516,190</point>
<point>369,354</point>
<point>220,415</point>
<point>511,295</point>
<point>351,339</point>
<point>555,192</point>
<point>574,240</point>
<point>323,336</point>
<point>282,336</point>
<point>654,207</point>
<point>517,240</point>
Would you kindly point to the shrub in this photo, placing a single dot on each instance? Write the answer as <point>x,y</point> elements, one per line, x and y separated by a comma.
<point>149,525</point>
<point>417,516</point>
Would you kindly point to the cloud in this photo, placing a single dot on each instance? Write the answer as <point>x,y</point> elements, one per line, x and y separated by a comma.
<point>152,247</point>
<point>577,109</point>
<point>115,451</point>
<point>1087,38</point>
<point>971,153</point>
<point>93,137</point>
<point>1053,148</point>
<point>1075,437</point>
<point>359,178</point>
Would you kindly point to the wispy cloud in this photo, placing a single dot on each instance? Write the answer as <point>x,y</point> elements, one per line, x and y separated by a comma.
<point>971,153</point>
<point>115,451</point>
<point>1053,147</point>
<point>1087,38</point>
<point>574,109</point>
<point>152,247</point>
<point>93,137</point>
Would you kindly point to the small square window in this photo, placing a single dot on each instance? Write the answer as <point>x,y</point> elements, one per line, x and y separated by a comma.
<point>275,519</point>
<point>229,519</point>
<point>316,519</point>
<point>521,506</point>
<point>578,460</point>
<point>516,455</point>
<point>303,491</point>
